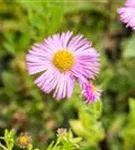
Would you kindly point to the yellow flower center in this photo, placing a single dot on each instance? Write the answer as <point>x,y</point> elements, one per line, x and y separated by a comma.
<point>63,60</point>
<point>23,139</point>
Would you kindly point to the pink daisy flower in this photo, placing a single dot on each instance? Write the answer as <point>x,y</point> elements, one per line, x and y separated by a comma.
<point>127,13</point>
<point>61,59</point>
<point>130,3</point>
<point>91,93</point>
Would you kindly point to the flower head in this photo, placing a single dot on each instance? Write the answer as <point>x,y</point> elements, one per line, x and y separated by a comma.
<point>130,3</point>
<point>127,13</point>
<point>61,131</point>
<point>24,140</point>
<point>61,59</point>
<point>90,92</point>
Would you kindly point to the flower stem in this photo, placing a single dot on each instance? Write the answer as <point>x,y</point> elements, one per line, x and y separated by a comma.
<point>3,147</point>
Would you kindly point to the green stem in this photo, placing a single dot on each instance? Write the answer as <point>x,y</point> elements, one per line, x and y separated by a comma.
<point>4,148</point>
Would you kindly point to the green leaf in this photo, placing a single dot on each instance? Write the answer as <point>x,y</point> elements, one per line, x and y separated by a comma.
<point>78,127</point>
<point>129,49</point>
<point>132,110</point>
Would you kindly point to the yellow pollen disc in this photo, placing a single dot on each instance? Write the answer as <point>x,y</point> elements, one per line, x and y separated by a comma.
<point>63,60</point>
<point>23,139</point>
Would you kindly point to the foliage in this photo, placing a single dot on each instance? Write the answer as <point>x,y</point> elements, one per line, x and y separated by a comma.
<point>88,126</point>
<point>9,140</point>
<point>128,132</point>
<point>65,140</point>
<point>129,47</point>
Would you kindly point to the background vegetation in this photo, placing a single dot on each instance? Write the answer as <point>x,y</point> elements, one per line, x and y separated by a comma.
<point>108,124</point>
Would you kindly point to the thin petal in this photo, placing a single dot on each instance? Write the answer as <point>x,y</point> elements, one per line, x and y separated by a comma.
<point>48,80</point>
<point>130,3</point>
<point>127,15</point>
<point>64,87</point>
<point>36,63</point>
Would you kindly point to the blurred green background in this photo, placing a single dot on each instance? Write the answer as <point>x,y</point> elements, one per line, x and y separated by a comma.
<point>106,125</point>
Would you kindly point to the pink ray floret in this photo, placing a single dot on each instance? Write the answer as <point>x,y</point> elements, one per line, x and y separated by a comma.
<point>127,13</point>
<point>61,60</point>
<point>90,92</point>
